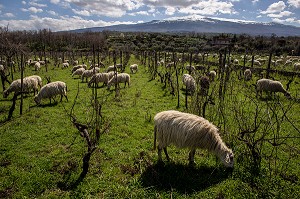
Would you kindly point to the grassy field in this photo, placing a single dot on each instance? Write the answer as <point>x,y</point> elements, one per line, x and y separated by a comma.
<point>41,151</point>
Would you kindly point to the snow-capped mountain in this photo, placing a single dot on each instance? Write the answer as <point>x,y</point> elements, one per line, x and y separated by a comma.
<point>201,24</point>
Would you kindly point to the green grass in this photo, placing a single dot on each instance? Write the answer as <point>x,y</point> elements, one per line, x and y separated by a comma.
<point>41,152</point>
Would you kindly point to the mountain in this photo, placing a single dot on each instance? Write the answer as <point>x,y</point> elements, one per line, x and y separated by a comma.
<point>203,25</point>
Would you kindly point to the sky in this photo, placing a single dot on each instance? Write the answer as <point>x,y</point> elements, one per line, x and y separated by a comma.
<point>59,15</point>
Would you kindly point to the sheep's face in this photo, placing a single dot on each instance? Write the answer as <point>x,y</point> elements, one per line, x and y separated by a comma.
<point>37,101</point>
<point>228,160</point>
<point>5,94</point>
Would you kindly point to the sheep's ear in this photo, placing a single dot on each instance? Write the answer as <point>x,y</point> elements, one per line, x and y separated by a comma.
<point>229,158</point>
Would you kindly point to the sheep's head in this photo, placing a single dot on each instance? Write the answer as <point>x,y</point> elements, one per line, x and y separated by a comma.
<point>37,100</point>
<point>228,159</point>
<point>5,94</point>
<point>288,95</point>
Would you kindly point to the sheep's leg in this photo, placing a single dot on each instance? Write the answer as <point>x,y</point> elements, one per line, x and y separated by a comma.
<point>66,98</point>
<point>191,156</point>
<point>61,96</point>
<point>159,153</point>
<point>166,153</point>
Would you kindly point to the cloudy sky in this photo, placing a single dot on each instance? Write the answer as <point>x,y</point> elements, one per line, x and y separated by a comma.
<point>60,15</point>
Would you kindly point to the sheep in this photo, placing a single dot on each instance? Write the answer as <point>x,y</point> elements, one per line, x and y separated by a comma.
<point>75,68</point>
<point>272,86</point>
<point>51,90</point>
<point>110,68</point>
<point>186,130</point>
<point>189,83</point>
<point>29,83</point>
<point>79,72</point>
<point>99,77</point>
<point>257,63</point>
<point>133,68</point>
<point>89,73</point>
<point>190,68</point>
<point>65,65</point>
<point>212,75</point>
<point>204,85</point>
<point>247,74</point>
<point>297,66</point>
<point>236,62</point>
<point>37,66</point>
<point>120,78</point>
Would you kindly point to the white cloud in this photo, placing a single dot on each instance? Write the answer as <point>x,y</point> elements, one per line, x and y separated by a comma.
<point>275,7</point>
<point>82,12</point>
<point>37,4</point>
<point>52,12</point>
<point>295,3</point>
<point>55,1</point>
<point>61,24</point>
<point>255,1</point>
<point>170,11</point>
<point>280,15</point>
<point>35,10</point>
<point>110,8</point>
<point>24,2</point>
<point>9,14</point>
<point>139,13</point>
<point>210,7</point>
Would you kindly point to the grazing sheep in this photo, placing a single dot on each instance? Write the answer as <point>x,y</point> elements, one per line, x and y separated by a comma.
<point>236,62</point>
<point>65,65</point>
<point>99,77</point>
<point>190,69</point>
<point>51,90</point>
<point>247,74</point>
<point>297,66</point>
<point>212,75</point>
<point>133,68</point>
<point>78,72</point>
<point>186,130</point>
<point>75,68</point>
<point>288,63</point>
<point>37,66</point>
<point>120,78</point>
<point>257,63</point>
<point>110,68</point>
<point>29,83</point>
<point>189,83</point>
<point>204,85</point>
<point>89,73</point>
<point>271,86</point>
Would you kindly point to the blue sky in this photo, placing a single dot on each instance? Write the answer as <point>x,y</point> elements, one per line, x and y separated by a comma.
<point>60,15</point>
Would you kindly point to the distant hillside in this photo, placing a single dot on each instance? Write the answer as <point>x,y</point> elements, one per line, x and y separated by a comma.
<point>203,25</point>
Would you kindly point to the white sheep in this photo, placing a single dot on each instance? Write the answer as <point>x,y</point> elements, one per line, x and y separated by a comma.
<point>257,63</point>
<point>297,66</point>
<point>189,82</point>
<point>186,130</point>
<point>75,68</point>
<point>236,62</point>
<point>37,66</point>
<point>29,83</point>
<point>89,73</point>
<point>99,77</point>
<point>190,69</point>
<point>269,85</point>
<point>120,78</point>
<point>51,90</point>
<point>110,68</point>
<point>65,65</point>
<point>78,72</point>
<point>212,75</point>
<point>133,68</point>
<point>247,74</point>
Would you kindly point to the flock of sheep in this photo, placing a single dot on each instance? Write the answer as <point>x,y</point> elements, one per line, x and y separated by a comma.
<point>184,130</point>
